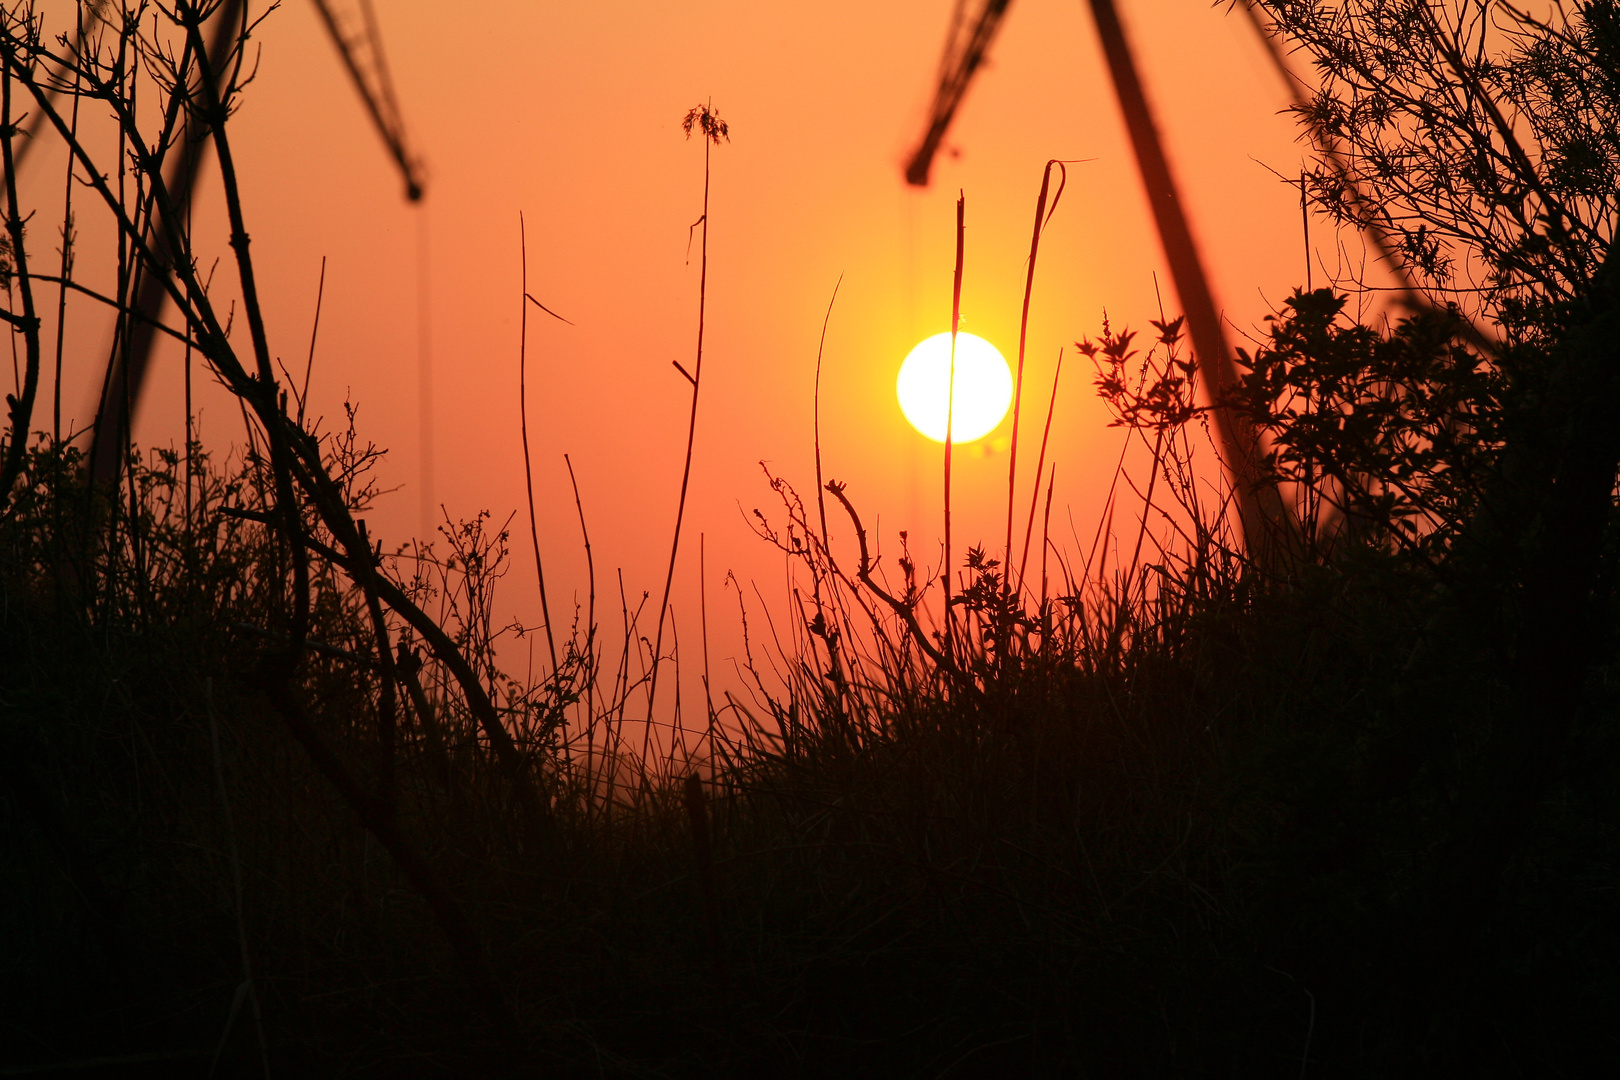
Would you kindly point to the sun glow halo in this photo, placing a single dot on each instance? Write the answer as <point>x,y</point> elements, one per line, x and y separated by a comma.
<point>984,387</point>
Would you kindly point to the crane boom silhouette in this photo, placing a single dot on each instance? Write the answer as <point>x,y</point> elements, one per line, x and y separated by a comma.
<point>367,65</point>
<point>964,52</point>
<point>127,366</point>
<point>1211,350</point>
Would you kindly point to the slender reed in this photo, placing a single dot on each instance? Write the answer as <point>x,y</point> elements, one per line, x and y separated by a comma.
<point>523,422</point>
<point>424,367</point>
<point>1156,464</point>
<point>314,329</point>
<point>191,422</point>
<point>590,605</point>
<point>1046,532</point>
<point>703,629</point>
<point>1042,216</point>
<point>821,497</point>
<point>950,413</point>
<point>1040,462</point>
<point>713,129</point>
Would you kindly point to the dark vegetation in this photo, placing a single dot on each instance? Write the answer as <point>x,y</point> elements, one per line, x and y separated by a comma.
<point>1339,800</point>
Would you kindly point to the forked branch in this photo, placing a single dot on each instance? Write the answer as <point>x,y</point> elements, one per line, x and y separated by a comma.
<point>906,610</point>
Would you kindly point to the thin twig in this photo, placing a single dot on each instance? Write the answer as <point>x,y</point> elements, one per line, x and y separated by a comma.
<point>309,365</point>
<point>523,423</point>
<point>1040,462</point>
<point>821,502</point>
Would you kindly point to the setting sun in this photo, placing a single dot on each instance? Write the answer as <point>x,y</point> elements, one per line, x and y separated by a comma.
<point>983,387</point>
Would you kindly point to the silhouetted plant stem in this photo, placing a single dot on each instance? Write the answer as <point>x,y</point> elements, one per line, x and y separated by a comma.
<point>821,499</point>
<point>67,267</point>
<point>1041,217</point>
<point>523,422</point>
<point>590,604</point>
<point>379,99</point>
<point>713,129</point>
<point>1305,228</point>
<point>1046,532</point>
<point>107,404</point>
<point>314,329</point>
<point>829,634</point>
<point>407,664</point>
<point>1154,466</point>
<point>265,391</point>
<point>950,418</point>
<point>1040,463</point>
<point>424,371</point>
<point>863,574</point>
<point>703,628</point>
<point>22,406</point>
<point>215,109</point>
<point>359,562</point>
<point>191,428</point>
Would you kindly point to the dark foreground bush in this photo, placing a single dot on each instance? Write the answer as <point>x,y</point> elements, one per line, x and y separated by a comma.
<point>1201,839</point>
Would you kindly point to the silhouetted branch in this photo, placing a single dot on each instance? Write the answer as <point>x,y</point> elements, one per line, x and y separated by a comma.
<point>906,611</point>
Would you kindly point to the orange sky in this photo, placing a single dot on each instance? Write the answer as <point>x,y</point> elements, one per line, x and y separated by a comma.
<point>570,114</point>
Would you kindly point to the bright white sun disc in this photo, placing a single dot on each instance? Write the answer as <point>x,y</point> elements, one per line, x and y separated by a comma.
<point>984,387</point>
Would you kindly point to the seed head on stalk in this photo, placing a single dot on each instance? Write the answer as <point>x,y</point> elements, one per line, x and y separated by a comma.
<point>708,122</point>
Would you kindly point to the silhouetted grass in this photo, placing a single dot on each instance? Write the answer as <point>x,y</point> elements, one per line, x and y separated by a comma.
<point>1185,831</point>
